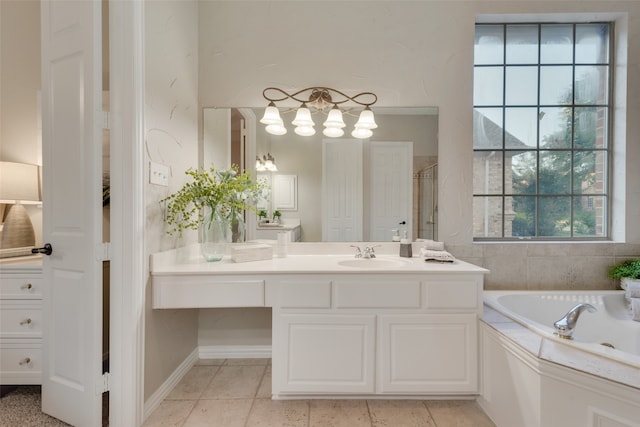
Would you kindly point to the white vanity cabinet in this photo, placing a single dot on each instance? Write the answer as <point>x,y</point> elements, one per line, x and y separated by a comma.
<point>376,334</point>
<point>20,324</point>
<point>402,327</point>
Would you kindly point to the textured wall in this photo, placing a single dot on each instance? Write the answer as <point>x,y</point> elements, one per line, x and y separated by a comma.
<point>171,126</point>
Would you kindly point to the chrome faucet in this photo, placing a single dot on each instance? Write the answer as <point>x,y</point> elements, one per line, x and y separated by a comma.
<point>369,252</point>
<point>358,251</point>
<point>566,325</point>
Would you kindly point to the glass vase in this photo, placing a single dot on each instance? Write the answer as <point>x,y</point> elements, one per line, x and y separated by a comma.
<point>215,235</point>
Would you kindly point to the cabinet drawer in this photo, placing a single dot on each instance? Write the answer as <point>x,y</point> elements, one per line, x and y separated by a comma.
<point>305,294</point>
<point>457,294</point>
<point>21,288</point>
<point>191,292</point>
<point>377,294</point>
<point>21,320</point>
<point>20,364</point>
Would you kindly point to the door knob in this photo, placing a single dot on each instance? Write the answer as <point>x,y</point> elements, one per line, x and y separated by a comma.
<point>403,223</point>
<point>47,249</point>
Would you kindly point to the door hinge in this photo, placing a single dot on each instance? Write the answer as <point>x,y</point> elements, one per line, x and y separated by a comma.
<point>103,383</point>
<point>103,251</point>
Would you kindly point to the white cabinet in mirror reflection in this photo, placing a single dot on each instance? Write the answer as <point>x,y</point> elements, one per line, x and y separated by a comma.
<point>285,192</point>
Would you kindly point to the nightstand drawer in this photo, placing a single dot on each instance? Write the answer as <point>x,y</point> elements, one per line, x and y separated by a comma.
<point>20,363</point>
<point>21,320</point>
<point>21,288</point>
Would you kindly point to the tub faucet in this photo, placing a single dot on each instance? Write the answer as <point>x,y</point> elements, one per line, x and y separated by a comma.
<point>369,252</point>
<point>566,325</point>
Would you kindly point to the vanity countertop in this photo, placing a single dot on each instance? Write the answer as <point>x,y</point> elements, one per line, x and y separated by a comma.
<point>188,261</point>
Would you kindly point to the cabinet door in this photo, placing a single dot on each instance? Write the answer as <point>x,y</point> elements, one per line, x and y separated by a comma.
<point>324,354</point>
<point>428,353</point>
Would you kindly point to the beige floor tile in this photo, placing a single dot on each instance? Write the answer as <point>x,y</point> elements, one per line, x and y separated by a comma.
<point>400,413</point>
<point>247,362</point>
<point>194,383</point>
<point>210,362</point>
<point>279,413</point>
<point>220,413</point>
<point>170,413</point>
<point>234,382</point>
<point>339,413</point>
<point>458,413</point>
<point>264,391</point>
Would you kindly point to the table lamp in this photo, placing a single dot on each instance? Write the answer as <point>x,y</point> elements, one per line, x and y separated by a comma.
<point>19,185</point>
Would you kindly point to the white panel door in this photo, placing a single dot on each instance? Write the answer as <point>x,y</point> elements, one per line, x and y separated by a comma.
<point>342,190</point>
<point>428,353</point>
<point>390,189</point>
<point>72,210</point>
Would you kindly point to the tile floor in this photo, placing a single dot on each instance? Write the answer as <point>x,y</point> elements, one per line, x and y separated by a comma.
<point>237,392</point>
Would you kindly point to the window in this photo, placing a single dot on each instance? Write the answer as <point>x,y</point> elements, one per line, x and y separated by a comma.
<point>541,131</point>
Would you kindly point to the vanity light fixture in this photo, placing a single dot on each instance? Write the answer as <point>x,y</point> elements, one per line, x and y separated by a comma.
<point>319,99</point>
<point>266,163</point>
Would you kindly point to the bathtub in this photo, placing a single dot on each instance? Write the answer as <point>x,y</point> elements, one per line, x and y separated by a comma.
<point>530,377</point>
<point>609,332</point>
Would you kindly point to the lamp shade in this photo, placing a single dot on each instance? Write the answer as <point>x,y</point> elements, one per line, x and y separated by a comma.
<point>361,133</point>
<point>334,119</point>
<point>366,120</point>
<point>276,129</point>
<point>271,115</point>
<point>303,117</point>
<point>19,183</point>
<point>333,132</point>
<point>305,130</point>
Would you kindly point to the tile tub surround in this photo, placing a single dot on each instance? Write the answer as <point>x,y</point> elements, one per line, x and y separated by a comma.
<point>197,401</point>
<point>547,265</point>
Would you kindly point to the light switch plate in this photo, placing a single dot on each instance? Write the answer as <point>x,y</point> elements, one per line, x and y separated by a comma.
<point>158,174</point>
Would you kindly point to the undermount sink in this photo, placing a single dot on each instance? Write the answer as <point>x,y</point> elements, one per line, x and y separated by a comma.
<point>372,263</point>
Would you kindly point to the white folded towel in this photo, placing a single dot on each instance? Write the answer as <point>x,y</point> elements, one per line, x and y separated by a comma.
<point>635,309</point>
<point>431,255</point>
<point>632,290</point>
<point>432,245</point>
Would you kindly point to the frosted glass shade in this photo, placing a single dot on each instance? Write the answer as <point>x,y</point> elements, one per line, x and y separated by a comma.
<point>361,133</point>
<point>334,119</point>
<point>271,116</point>
<point>303,117</point>
<point>276,129</point>
<point>333,132</point>
<point>366,120</point>
<point>305,130</point>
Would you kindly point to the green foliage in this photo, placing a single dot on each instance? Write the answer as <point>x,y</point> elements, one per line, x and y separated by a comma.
<point>226,192</point>
<point>627,269</point>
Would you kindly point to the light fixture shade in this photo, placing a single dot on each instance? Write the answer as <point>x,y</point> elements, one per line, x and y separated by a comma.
<point>361,133</point>
<point>271,115</point>
<point>259,165</point>
<point>334,119</point>
<point>19,183</point>
<point>332,132</point>
<point>276,129</point>
<point>305,130</point>
<point>366,120</point>
<point>303,117</point>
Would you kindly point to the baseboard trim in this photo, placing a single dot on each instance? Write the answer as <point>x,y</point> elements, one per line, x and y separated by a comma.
<point>163,391</point>
<point>235,351</point>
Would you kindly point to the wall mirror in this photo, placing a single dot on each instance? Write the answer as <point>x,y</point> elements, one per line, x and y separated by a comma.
<point>346,189</point>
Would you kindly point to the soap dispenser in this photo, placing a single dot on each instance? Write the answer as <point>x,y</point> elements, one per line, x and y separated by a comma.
<point>396,235</point>
<point>405,246</point>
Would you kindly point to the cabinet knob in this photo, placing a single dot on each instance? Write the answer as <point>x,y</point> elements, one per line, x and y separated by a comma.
<point>27,322</point>
<point>26,287</point>
<point>25,361</point>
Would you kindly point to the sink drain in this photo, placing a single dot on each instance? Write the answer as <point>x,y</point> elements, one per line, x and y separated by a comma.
<point>606,344</point>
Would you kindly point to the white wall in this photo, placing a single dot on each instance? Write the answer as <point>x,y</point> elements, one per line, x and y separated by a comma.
<point>171,135</point>
<point>20,126</point>
<point>420,53</point>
